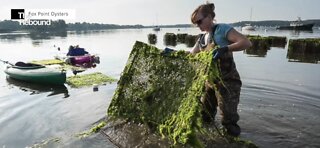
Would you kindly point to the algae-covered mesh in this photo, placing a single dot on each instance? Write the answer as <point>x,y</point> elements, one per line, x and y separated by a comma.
<point>162,90</point>
<point>96,78</point>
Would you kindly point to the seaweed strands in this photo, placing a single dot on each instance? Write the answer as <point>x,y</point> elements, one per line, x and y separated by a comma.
<point>163,91</point>
<point>95,79</point>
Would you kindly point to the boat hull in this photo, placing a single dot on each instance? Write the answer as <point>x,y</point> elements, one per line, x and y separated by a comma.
<point>156,28</point>
<point>248,28</point>
<point>41,75</point>
<point>302,27</point>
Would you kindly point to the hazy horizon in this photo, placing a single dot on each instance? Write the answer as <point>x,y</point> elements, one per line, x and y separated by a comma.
<point>167,12</point>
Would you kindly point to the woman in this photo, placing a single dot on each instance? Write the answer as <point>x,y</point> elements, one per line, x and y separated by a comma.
<point>228,40</point>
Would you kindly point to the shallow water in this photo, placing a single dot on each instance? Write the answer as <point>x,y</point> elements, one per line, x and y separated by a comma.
<point>280,100</point>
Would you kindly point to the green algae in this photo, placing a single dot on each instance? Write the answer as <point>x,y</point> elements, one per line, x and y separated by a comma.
<point>62,64</point>
<point>88,79</point>
<point>259,43</point>
<point>264,43</point>
<point>278,41</point>
<point>48,62</point>
<point>52,142</point>
<point>152,38</point>
<point>93,130</point>
<point>170,39</point>
<point>191,40</point>
<point>181,37</point>
<point>304,50</point>
<point>311,45</point>
<point>47,142</point>
<point>163,91</point>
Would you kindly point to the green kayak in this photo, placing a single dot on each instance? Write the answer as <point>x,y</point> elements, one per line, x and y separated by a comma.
<point>36,73</point>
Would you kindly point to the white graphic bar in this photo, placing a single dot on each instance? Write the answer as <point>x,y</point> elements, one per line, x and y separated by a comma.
<point>52,14</point>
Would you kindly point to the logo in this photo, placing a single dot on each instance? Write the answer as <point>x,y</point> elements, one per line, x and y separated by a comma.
<point>17,14</point>
<point>35,22</point>
<point>36,17</point>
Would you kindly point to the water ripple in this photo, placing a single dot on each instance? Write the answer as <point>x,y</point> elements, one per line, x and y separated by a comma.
<point>280,113</point>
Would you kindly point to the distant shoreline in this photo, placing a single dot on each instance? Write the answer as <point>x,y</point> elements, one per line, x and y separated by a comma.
<point>61,25</point>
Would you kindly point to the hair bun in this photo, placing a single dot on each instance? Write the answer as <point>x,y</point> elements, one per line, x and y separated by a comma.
<point>212,6</point>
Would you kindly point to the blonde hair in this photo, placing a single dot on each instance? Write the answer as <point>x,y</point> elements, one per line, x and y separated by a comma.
<point>204,9</point>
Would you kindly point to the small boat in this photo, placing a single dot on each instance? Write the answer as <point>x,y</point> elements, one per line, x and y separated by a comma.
<point>156,28</point>
<point>248,27</point>
<point>297,25</point>
<point>36,73</point>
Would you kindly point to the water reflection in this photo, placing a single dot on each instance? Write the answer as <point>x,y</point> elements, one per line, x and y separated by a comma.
<point>35,36</point>
<point>47,35</point>
<point>296,33</point>
<point>257,52</point>
<point>254,108</point>
<point>38,88</point>
<point>13,37</point>
<point>88,32</point>
<point>129,134</point>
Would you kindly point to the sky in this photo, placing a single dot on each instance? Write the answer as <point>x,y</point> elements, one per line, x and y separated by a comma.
<point>169,12</point>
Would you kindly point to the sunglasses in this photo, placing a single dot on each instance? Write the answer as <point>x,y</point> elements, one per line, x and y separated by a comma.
<point>199,22</point>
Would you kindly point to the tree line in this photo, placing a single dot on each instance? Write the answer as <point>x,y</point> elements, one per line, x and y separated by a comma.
<point>274,23</point>
<point>9,25</point>
<point>61,25</point>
